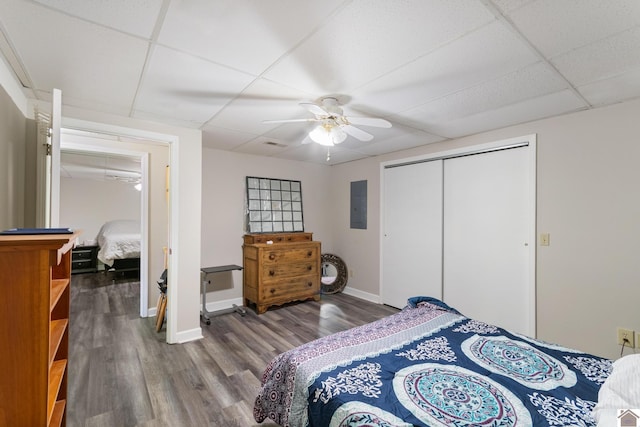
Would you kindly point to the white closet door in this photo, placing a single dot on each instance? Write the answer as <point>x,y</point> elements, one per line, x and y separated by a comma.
<point>412,233</point>
<point>486,257</point>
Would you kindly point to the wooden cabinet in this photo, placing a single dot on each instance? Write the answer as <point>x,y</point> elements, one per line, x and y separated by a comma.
<point>284,270</point>
<point>84,259</point>
<point>35,272</point>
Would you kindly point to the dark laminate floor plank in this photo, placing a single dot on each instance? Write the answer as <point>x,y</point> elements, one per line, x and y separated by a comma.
<point>122,373</point>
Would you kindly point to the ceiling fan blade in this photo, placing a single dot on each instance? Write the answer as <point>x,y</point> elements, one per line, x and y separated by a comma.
<point>357,133</point>
<point>289,121</point>
<point>369,121</point>
<point>307,140</point>
<point>315,109</point>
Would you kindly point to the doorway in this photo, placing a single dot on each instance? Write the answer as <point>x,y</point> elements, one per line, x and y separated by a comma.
<point>126,153</point>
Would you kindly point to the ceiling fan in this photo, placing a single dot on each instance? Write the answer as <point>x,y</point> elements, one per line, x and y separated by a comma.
<point>333,126</point>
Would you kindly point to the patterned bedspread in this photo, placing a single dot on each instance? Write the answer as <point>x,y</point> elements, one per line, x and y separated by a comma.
<point>430,366</point>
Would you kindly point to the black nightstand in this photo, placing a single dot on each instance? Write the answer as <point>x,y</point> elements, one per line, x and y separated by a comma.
<point>84,259</point>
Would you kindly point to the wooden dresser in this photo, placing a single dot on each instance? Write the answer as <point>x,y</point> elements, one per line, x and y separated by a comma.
<point>288,269</point>
<point>35,272</point>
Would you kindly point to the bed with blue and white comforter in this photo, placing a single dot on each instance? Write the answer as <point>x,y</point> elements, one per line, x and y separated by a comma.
<point>430,366</point>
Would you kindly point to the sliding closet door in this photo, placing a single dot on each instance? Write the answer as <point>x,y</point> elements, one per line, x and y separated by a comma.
<point>412,232</point>
<point>486,232</point>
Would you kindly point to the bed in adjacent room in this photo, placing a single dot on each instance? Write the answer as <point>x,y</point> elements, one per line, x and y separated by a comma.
<point>429,365</point>
<point>119,243</point>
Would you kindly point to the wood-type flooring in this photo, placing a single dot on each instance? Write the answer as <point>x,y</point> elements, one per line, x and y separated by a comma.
<point>122,373</point>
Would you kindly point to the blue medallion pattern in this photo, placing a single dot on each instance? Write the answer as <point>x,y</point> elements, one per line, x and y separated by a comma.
<point>519,361</point>
<point>452,396</point>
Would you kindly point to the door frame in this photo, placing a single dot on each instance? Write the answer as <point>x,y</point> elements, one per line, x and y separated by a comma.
<point>526,140</point>
<point>150,137</point>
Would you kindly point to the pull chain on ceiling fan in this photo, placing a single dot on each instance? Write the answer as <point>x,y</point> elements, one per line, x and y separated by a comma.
<point>333,126</point>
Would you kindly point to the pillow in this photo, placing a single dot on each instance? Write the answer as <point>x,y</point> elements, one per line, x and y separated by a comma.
<point>418,301</point>
<point>621,390</point>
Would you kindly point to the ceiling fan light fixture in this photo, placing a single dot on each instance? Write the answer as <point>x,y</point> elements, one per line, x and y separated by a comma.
<point>327,134</point>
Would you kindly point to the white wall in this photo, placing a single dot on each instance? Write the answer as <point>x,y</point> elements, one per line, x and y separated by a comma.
<point>588,279</point>
<point>13,126</point>
<point>223,211</point>
<point>87,204</point>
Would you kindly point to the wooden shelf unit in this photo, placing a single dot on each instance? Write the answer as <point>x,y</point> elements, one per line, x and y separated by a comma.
<point>35,273</point>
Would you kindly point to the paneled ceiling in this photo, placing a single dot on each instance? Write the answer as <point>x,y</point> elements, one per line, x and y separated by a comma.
<point>436,69</point>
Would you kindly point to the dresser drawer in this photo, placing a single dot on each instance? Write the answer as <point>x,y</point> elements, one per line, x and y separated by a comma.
<point>277,271</point>
<point>81,264</point>
<point>289,289</point>
<point>80,254</point>
<point>289,255</point>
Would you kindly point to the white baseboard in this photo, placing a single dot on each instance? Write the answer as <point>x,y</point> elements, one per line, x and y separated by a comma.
<point>362,295</point>
<point>191,335</point>
<point>223,305</point>
<point>151,312</point>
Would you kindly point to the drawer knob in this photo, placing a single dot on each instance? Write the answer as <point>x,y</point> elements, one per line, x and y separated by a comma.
<point>309,268</point>
<point>272,256</point>
<point>272,273</point>
<point>309,253</point>
<point>272,290</point>
<point>310,284</point>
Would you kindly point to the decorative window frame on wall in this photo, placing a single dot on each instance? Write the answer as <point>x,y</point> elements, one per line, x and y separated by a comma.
<point>274,205</point>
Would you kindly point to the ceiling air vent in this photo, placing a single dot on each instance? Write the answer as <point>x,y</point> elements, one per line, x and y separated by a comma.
<point>275,144</point>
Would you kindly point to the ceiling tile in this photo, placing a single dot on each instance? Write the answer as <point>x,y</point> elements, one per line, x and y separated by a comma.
<point>615,89</point>
<point>173,78</point>
<point>370,38</point>
<point>134,17</point>
<point>603,59</point>
<point>71,63</point>
<point>263,146</point>
<point>556,27</point>
<point>524,111</point>
<point>484,54</point>
<point>518,86</point>
<point>403,141</point>
<point>225,31</point>
<point>224,139</point>
<point>262,100</point>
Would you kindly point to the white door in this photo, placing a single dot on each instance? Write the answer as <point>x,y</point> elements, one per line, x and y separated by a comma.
<point>486,230</point>
<point>48,164</point>
<point>412,233</point>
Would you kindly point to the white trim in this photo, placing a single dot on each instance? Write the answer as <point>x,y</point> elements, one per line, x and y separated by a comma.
<point>531,141</point>
<point>173,140</point>
<point>188,336</point>
<point>13,88</point>
<point>224,305</point>
<point>362,295</point>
